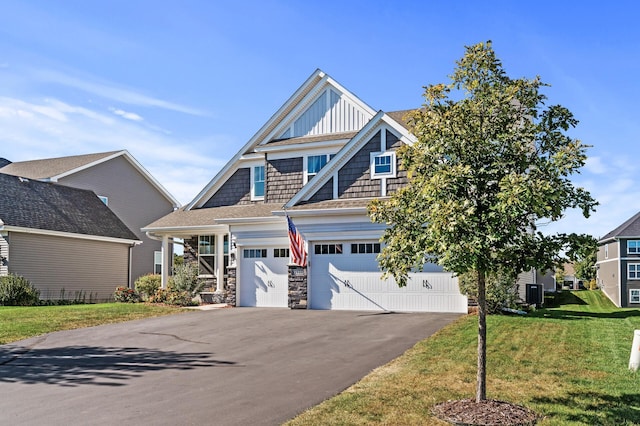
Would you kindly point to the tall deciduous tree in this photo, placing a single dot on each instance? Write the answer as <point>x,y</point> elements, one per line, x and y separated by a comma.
<point>491,160</point>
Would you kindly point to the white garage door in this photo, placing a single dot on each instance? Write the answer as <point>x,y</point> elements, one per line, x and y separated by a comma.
<point>263,277</point>
<point>345,275</point>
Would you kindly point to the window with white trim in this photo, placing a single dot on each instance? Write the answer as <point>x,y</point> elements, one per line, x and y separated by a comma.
<point>206,255</point>
<point>633,271</point>
<point>383,165</point>
<point>633,247</point>
<point>634,295</point>
<point>157,262</point>
<point>315,163</point>
<point>257,183</point>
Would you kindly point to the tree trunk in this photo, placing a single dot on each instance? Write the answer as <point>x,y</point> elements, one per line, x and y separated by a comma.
<point>481,391</point>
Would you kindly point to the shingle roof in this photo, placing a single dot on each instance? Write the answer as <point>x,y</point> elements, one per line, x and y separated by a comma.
<point>208,216</point>
<point>400,117</point>
<point>33,204</point>
<point>4,162</point>
<point>630,228</point>
<point>49,167</point>
<point>344,203</point>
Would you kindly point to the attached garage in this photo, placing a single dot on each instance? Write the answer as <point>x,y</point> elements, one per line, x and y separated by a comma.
<point>264,277</point>
<point>345,275</point>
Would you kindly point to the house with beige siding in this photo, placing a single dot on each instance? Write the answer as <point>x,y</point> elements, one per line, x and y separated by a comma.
<point>320,159</point>
<point>64,240</point>
<point>618,264</point>
<point>122,183</point>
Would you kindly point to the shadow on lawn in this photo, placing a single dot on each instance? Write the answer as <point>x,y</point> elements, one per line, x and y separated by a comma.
<point>576,315</point>
<point>596,408</point>
<point>89,365</point>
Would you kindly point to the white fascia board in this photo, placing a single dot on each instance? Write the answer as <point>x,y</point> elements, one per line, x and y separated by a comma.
<point>342,236</point>
<point>21,230</point>
<point>323,212</point>
<point>304,146</point>
<point>282,241</point>
<point>187,230</point>
<point>255,139</point>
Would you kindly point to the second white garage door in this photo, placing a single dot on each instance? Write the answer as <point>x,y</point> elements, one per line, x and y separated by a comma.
<point>345,275</point>
<point>264,277</point>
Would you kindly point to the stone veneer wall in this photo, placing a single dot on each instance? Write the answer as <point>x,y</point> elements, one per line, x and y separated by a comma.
<point>230,289</point>
<point>297,287</point>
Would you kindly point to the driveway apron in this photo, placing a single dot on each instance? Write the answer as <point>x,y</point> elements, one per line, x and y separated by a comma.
<point>239,366</point>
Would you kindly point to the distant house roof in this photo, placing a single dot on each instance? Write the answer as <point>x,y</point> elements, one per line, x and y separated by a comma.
<point>4,162</point>
<point>53,169</point>
<point>630,228</point>
<point>400,117</point>
<point>31,204</point>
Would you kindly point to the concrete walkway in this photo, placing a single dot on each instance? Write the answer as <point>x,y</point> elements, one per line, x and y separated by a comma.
<point>237,366</point>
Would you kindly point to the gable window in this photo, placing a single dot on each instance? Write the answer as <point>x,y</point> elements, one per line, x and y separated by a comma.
<point>383,165</point>
<point>633,247</point>
<point>257,183</point>
<point>633,271</point>
<point>606,251</point>
<point>634,295</point>
<point>206,255</point>
<point>314,164</point>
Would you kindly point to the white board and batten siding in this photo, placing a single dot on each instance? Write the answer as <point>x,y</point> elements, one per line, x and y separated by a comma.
<point>352,281</point>
<point>78,266</point>
<point>263,279</point>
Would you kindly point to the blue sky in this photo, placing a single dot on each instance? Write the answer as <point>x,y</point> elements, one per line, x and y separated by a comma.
<point>183,85</point>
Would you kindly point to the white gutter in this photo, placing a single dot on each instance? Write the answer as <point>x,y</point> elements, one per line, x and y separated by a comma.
<point>68,235</point>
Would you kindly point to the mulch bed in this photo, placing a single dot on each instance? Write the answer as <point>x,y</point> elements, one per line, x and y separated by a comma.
<point>488,413</point>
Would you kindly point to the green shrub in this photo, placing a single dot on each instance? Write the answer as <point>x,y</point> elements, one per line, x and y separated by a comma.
<point>501,290</point>
<point>17,291</point>
<point>185,278</point>
<point>147,285</point>
<point>126,295</point>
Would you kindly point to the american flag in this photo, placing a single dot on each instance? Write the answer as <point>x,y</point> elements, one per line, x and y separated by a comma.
<point>296,245</point>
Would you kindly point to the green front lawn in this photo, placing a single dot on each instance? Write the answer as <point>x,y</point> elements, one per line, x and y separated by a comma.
<point>17,323</point>
<point>568,363</point>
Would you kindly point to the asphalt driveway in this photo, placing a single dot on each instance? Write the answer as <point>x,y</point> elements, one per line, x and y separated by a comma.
<point>240,366</point>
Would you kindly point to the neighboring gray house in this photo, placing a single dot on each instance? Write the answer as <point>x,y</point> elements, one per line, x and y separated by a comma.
<point>618,264</point>
<point>533,284</point>
<point>63,239</point>
<point>121,183</point>
<point>322,156</point>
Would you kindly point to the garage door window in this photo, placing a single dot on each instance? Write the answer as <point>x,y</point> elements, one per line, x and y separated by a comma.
<point>365,248</point>
<point>328,249</point>
<point>281,252</point>
<point>254,253</point>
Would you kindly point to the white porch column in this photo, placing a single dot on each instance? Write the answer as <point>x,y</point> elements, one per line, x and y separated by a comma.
<point>219,263</point>
<point>166,261</point>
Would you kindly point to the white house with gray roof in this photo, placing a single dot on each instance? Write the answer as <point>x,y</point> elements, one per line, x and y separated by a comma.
<point>320,158</point>
<point>62,239</point>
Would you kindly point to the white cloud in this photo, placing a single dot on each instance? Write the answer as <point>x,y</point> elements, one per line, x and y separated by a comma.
<point>110,91</point>
<point>128,115</point>
<point>595,165</point>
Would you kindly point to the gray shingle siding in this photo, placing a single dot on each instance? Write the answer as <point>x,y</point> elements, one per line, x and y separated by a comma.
<point>354,178</point>
<point>392,141</point>
<point>284,179</point>
<point>324,193</point>
<point>236,190</point>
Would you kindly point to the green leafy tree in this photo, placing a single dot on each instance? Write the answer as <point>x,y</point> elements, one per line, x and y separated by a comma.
<point>490,161</point>
<point>501,289</point>
<point>585,259</point>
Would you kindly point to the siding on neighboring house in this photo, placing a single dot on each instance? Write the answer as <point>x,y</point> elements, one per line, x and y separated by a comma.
<point>4,255</point>
<point>137,206</point>
<point>609,272</point>
<point>235,191</point>
<point>525,278</point>
<point>284,179</point>
<point>52,263</point>
<point>627,258</point>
